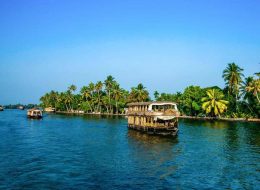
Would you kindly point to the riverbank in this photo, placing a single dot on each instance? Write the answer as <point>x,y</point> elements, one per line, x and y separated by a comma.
<point>101,114</point>
<point>184,117</point>
<point>221,119</point>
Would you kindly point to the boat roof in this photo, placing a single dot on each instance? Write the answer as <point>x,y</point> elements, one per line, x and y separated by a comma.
<point>34,109</point>
<point>149,103</point>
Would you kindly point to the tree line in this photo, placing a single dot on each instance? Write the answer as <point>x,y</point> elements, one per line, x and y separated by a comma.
<point>239,97</point>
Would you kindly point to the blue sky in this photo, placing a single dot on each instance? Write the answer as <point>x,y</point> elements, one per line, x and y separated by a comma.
<point>165,44</point>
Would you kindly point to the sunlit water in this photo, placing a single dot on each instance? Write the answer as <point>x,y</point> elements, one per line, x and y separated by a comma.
<point>83,152</point>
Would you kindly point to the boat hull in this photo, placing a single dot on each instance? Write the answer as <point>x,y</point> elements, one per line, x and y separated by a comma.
<point>34,117</point>
<point>162,131</point>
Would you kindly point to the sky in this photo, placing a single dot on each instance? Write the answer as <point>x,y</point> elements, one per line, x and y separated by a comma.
<point>165,44</point>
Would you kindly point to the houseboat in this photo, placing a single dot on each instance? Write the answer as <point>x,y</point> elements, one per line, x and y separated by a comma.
<point>34,113</point>
<point>50,109</point>
<point>158,118</point>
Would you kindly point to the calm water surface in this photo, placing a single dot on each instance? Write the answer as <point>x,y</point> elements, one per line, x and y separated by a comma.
<point>83,152</point>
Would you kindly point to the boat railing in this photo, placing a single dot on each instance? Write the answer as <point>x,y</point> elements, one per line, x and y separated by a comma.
<point>155,113</point>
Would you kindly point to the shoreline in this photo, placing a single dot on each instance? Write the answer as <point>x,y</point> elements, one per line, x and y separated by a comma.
<point>255,120</point>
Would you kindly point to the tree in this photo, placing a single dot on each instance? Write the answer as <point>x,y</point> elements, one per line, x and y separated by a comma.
<point>213,103</point>
<point>156,95</point>
<point>86,96</point>
<point>98,88</point>
<point>191,100</point>
<point>233,77</point>
<point>117,94</point>
<point>109,82</point>
<point>72,88</point>
<point>254,88</point>
<point>139,94</point>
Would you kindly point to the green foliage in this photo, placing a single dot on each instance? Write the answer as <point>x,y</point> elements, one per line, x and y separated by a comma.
<point>213,103</point>
<point>138,94</point>
<point>108,97</point>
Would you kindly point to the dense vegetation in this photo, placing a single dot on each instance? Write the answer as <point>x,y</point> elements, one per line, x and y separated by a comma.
<point>239,98</point>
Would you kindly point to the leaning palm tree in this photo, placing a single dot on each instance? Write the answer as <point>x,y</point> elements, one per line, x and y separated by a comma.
<point>214,104</point>
<point>245,84</point>
<point>254,87</point>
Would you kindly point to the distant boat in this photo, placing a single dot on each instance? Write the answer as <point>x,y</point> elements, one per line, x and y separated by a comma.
<point>49,109</point>
<point>1,108</point>
<point>34,113</point>
<point>20,107</point>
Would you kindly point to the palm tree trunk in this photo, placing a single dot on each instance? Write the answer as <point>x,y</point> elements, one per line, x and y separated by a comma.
<point>66,107</point>
<point>257,98</point>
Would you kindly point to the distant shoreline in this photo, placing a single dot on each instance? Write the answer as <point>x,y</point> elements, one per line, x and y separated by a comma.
<point>182,117</point>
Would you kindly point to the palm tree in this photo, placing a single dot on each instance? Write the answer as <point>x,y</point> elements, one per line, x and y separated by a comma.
<point>109,82</point>
<point>70,97</point>
<point>72,88</point>
<point>117,94</point>
<point>244,86</point>
<point>214,103</point>
<point>86,95</point>
<point>233,77</point>
<point>105,102</point>
<point>98,88</point>
<point>156,95</point>
<point>139,94</point>
<point>254,87</point>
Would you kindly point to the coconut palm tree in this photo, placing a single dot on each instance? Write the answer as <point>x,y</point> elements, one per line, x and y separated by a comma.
<point>214,103</point>
<point>117,94</point>
<point>138,94</point>
<point>98,88</point>
<point>72,88</point>
<point>156,95</point>
<point>109,82</point>
<point>86,95</point>
<point>244,85</point>
<point>254,87</point>
<point>233,78</point>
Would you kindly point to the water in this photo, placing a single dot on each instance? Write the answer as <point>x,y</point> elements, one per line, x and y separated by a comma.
<point>83,152</point>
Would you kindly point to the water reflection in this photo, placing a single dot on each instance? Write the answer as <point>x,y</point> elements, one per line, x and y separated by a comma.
<point>156,155</point>
<point>151,139</point>
<point>207,123</point>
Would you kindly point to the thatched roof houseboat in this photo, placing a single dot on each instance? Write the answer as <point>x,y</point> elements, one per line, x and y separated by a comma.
<point>154,117</point>
<point>34,113</point>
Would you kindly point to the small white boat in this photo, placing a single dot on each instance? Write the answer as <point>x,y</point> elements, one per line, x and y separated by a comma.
<point>49,109</point>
